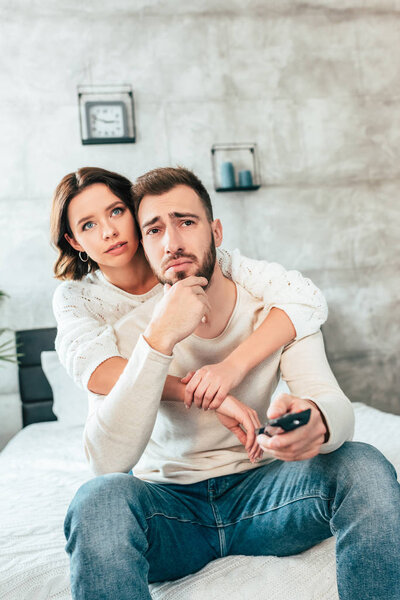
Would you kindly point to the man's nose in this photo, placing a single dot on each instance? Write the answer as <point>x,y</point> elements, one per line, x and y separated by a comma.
<point>172,241</point>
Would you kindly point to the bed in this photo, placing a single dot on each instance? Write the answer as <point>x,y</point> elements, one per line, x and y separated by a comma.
<point>43,466</point>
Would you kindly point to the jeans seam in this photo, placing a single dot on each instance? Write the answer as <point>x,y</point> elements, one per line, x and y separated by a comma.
<point>172,518</point>
<point>264,512</point>
<point>219,526</point>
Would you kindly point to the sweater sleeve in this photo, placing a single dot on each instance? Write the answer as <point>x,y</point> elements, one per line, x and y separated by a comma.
<point>120,424</point>
<point>84,339</point>
<point>306,370</point>
<point>301,300</point>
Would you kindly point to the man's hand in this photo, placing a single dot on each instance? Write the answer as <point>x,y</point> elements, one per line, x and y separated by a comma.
<point>299,444</point>
<point>233,414</point>
<point>177,314</point>
<point>208,387</point>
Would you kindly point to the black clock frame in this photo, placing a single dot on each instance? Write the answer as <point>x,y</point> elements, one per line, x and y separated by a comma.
<point>126,139</point>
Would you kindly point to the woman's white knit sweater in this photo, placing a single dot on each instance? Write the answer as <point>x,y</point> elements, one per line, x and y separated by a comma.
<point>86,310</point>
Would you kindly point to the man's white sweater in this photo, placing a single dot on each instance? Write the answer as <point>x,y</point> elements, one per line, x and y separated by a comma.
<point>167,443</point>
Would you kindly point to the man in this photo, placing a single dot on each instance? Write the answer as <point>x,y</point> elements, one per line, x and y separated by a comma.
<point>195,496</point>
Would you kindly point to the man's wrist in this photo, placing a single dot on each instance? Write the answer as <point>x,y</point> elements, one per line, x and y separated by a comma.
<point>159,340</point>
<point>321,414</point>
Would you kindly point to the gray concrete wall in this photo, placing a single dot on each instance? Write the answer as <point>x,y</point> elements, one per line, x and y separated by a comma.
<point>315,84</point>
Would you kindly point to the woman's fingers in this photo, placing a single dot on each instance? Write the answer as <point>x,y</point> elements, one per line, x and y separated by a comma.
<point>219,397</point>
<point>188,377</point>
<point>191,387</point>
<point>199,392</point>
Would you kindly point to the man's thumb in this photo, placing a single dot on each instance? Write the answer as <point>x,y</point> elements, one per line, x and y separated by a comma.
<point>279,407</point>
<point>166,288</point>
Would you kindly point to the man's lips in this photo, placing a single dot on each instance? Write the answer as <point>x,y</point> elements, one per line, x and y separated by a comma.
<point>179,264</point>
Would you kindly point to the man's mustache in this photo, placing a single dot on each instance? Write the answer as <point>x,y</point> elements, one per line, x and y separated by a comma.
<point>170,259</point>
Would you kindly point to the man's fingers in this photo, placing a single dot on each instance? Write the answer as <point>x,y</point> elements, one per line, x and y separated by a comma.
<point>281,450</point>
<point>240,434</point>
<point>250,427</point>
<point>192,280</point>
<point>280,406</point>
<point>255,447</point>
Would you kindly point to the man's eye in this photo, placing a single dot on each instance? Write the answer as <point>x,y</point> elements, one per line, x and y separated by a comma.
<point>188,222</point>
<point>152,231</point>
<point>87,225</point>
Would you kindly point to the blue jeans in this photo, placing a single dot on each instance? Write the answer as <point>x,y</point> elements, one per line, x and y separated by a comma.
<point>123,533</point>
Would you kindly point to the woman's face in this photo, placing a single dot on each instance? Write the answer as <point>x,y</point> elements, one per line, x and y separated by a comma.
<point>102,226</point>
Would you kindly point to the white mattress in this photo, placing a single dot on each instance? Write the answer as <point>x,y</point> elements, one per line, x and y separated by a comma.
<point>44,465</point>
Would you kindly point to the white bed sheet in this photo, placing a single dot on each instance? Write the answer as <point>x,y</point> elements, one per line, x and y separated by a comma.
<point>44,465</point>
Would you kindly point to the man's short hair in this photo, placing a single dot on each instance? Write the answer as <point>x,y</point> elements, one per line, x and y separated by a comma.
<point>162,180</point>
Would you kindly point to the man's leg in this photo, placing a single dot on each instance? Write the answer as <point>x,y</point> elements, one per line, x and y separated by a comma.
<point>123,533</point>
<point>287,507</point>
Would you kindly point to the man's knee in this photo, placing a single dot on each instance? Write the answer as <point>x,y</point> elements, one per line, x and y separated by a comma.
<point>363,459</point>
<point>101,500</point>
<point>365,472</point>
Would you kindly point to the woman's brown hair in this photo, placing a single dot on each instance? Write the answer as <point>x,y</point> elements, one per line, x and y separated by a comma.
<point>68,264</point>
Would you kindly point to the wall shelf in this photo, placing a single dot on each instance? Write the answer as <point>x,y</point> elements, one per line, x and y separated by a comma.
<point>235,167</point>
<point>248,188</point>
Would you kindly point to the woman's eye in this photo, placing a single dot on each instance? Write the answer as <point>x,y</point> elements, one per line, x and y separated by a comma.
<point>152,231</point>
<point>117,211</point>
<point>88,225</point>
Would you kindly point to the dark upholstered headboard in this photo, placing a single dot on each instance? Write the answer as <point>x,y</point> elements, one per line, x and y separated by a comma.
<point>35,391</point>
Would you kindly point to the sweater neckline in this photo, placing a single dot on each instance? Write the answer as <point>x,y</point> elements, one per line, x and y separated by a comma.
<point>232,318</point>
<point>141,297</point>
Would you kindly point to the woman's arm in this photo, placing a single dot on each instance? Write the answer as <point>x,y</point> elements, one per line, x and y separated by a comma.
<point>119,425</point>
<point>208,387</point>
<point>297,309</point>
<point>296,295</point>
<point>84,338</point>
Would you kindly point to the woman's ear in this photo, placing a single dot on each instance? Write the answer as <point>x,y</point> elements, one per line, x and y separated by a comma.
<point>73,243</point>
<point>216,228</point>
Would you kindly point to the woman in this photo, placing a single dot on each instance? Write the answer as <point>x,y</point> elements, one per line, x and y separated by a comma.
<point>106,275</point>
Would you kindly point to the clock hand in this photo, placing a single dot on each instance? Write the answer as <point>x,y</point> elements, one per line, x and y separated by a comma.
<point>104,120</point>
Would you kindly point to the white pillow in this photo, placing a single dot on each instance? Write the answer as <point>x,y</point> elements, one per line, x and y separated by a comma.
<point>70,403</point>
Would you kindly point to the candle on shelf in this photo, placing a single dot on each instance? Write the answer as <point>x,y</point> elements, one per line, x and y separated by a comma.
<point>227,175</point>
<point>245,179</point>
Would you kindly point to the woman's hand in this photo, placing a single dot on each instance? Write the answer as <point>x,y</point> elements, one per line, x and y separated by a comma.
<point>208,387</point>
<point>234,415</point>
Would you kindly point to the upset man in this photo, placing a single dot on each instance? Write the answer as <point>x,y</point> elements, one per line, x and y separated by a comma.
<point>194,495</point>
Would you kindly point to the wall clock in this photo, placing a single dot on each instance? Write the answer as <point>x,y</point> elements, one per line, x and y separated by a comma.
<point>106,114</point>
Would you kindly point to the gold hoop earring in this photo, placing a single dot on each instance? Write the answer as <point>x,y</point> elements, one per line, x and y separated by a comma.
<point>82,259</point>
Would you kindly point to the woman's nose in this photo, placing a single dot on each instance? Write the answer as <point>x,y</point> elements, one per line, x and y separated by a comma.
<point>109,231</point>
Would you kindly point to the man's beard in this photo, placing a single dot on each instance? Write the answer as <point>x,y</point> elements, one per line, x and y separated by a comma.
<point>206,268</point>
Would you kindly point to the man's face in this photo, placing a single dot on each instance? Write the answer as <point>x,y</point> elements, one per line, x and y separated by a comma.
<point>178,239</point>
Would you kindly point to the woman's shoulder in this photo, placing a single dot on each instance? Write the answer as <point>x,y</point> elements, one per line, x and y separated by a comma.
<point>72,288</point>
<point>94,296</point>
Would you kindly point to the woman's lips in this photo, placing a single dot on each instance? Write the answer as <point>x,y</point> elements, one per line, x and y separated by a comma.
<point>118,249</point>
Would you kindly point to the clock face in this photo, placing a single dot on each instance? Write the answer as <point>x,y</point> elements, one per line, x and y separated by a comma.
<point>106,119</point>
